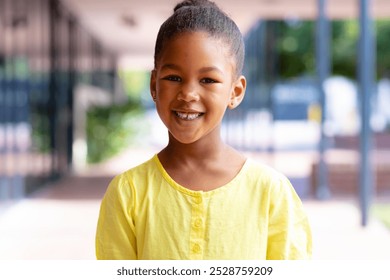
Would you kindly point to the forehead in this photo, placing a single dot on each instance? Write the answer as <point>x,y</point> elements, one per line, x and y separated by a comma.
<point>196,45</point>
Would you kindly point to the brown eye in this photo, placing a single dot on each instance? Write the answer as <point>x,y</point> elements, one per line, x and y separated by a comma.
<point>208,81</point>
<point>172,78</point>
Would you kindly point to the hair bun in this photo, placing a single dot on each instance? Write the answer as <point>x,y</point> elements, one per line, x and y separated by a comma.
<point>195,3</point>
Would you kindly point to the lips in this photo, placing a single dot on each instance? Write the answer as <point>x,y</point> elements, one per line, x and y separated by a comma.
<point>188,116</point>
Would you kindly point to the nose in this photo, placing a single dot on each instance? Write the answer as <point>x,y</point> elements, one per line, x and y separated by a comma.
<point>188,92</point>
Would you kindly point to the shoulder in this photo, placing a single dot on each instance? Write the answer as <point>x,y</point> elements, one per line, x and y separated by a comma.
<point>148,166</point>
<point>271,181</point>
<point>127,182</point>
<point>264,173</point>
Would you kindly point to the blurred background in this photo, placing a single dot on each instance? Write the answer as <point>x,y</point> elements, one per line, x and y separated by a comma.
<point>75,110</point>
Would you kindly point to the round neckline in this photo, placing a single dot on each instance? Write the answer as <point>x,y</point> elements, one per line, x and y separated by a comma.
<point>194,193</point>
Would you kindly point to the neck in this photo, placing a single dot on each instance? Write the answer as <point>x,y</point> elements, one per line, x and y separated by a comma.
<point>202,165</point>
<point>200,149</point>
<point>196,152</point>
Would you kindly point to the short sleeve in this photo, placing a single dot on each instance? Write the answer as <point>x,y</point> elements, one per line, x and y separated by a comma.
<point>289,233</point>
<point>115,234</point>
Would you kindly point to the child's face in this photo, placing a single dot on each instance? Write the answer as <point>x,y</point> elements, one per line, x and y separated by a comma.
<point>193,84</point>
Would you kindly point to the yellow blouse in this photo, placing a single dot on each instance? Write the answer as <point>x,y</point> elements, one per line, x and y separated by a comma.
<point>146,215</point>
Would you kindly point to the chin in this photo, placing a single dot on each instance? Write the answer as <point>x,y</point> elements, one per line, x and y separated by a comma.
<point>185,140</point>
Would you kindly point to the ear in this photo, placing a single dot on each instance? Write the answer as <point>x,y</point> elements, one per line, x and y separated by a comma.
<point>238,92</point>
<point>153,88</point>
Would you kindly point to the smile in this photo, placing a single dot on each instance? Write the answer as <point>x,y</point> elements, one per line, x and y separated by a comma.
<point>188,116</point>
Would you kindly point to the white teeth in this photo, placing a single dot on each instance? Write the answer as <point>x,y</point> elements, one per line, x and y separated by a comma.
<point>187,116</point>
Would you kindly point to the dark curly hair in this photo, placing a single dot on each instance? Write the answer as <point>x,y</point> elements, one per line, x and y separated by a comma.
<point>206,16</point>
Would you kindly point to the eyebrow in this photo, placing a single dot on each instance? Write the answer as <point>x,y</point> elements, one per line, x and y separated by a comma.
<point>170,66</point>
<point>202,70</point>
<point>210,69</point>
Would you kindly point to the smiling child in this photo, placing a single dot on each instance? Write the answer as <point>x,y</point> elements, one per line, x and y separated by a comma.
<point>199,198</point>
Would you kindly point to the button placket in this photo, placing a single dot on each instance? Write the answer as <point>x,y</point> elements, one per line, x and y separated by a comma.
<point>197,228</point>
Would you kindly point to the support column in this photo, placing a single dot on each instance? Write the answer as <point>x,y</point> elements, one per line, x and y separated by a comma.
<point>322,60</point>
<point>366,85</point>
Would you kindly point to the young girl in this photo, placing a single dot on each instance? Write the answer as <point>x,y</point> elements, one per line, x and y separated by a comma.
<point>199,198</point>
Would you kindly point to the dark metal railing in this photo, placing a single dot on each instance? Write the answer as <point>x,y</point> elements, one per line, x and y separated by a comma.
<point>44,54</point>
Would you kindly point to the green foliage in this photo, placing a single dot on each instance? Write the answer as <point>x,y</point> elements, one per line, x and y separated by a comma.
<point>40,131</point>
<point>110,129</point>
<point>344,48</point>
<point>382,212</point>
<point>296,48</point>
<point>295,45</point>
<point>134,83</point>
<point>383,49</point>
<point>113,128</point>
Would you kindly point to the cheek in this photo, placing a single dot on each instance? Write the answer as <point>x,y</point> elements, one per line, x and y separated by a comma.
<point>163,113</point>
<point>165,90</point>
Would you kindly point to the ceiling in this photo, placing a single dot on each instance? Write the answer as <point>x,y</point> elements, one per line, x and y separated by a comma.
<point>129,27</point>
